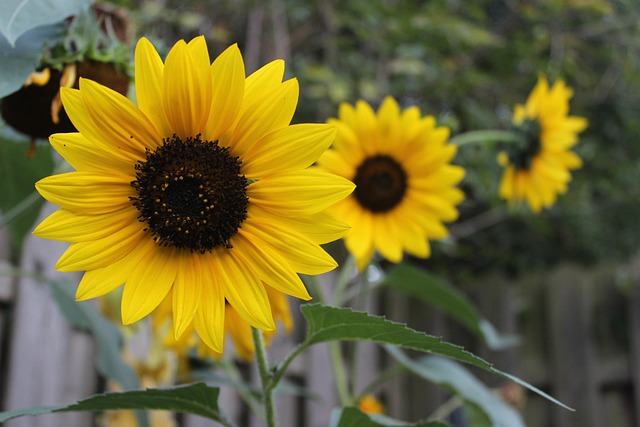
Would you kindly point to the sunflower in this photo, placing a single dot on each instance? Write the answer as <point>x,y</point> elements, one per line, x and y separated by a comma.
<point>538,165</point>
<point>203,189</point>
<point>405,184</point>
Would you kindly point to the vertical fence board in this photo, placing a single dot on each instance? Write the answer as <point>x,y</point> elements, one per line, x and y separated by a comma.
<point>634,331</point>
<point>573,356</point>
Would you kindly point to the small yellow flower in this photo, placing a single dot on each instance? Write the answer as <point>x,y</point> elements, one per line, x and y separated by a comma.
<point>203,189</point>
<point>538,167</point>
<point>405,184</point>
<point>369,404</point>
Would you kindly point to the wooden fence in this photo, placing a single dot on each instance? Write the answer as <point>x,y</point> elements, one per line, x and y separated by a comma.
<point>580,329</point>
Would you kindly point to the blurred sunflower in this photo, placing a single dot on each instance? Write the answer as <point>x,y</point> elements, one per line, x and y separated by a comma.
<point>203,189</point>
<point>538,165</point>
<point>405,184</point>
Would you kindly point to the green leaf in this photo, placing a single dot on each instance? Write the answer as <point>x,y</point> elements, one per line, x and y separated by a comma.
<point>19,202</point>
<point>85,315</point>
<point>353,417</point>
<point>435,290</point>
<point>19,16</point>
<point>337,324</point>
<point>19,61</point>
<point>459,380</point>
<point>198,399</point>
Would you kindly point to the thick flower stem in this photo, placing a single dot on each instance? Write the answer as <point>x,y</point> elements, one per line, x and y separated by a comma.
<point>484,136</point>
<point>265,376</point>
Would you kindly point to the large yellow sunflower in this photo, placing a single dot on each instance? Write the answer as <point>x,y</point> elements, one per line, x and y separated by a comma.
<point>538,166</point>
<point>203,188</point>
<point>405,184</point>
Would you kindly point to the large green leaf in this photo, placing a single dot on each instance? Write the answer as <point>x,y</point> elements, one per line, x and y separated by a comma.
<point>458,379</point>
<point>437,291</point>
<point>337,324</point>
<point>353,417</point>
<point>19,61</point>
<point>19,16</point>
<point>18,174</point>
<point>198,399</point>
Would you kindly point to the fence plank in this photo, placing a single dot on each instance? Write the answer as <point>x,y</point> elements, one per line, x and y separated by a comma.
<point>572,354</point>
<point>49,362</point>
<point>634,357</point>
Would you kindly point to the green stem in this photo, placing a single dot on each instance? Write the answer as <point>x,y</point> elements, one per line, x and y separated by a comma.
<point>361,303</point>
<point>342,387</point>
<point>483,136</point>
<point>282,369</point>
<point>343,281</point>
<point>266,377</point>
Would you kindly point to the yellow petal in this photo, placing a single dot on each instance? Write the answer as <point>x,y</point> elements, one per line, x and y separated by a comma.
<point>243,289</point>
<point>388,114</point>
<point>240,332</point>
<point>187,88</point>
<point>100,253</point>
<point>187,291</point>
<point>79,115</point>
<point>359,240</point>
<point>270,112</point>
<point>70,227</point>
<point>386,238</point>
<point>334,162</point>
<point>410,235</point>
<point>293,147</point>
<point>210,317</point>
<point>444,177</point>
<point>86,193</point>
<point>118,119</point>
<point>149,83</point>
<point>228,75</point>
<point>272,268</point>
<point>304,192</point>
<point>148,283</point>
<point>84,155</point>
<point>304,255</point>
<point>321,227</point>
<point>100,281</point>
<point>264,80</point>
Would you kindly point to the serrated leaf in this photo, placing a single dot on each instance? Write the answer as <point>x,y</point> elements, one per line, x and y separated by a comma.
<point>338,324</point>
<point>335,324</point>
<point>19,16</point>
<point>19,61</point>
<point>84,315</point>
<point>198,399</point>
<point>436,291</point>
<point>354,417</point>
<point>19,202</point>
<point>458,379</point>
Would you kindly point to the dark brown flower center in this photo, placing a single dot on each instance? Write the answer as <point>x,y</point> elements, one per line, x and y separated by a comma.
<point>191,194</point>
<point>522,152</point>
<point>381,183</point>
